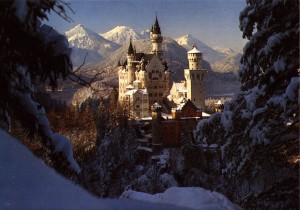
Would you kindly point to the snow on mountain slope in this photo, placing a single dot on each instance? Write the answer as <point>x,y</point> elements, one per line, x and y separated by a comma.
<point>209,54</point>
<point>229,64</point>
<point>191,197</point>
<point>27,183</point>
<point>145,34</point>
<point>121,35</point>
<point>226,51</point>
<point>84,40</point>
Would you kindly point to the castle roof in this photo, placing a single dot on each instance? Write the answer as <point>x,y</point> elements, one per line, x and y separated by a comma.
<point>180,87</point>
<point>155,28</point>
<point>130,49</point>
<point>129,86</point>
<point>147,58</point>
<point>194,50</point>
<point>133,91</point>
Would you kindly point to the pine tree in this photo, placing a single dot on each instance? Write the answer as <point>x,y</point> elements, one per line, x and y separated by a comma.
<point>31,51</point>
<point>260,145</point>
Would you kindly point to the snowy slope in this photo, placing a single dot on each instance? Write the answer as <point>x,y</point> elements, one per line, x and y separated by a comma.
<point>191,197</point>
<point>209,54</point>
<point>229,64</point>
<point>27,183</point>
<point>85,40</point>
<point>121,35</point>
<point>226,51</point>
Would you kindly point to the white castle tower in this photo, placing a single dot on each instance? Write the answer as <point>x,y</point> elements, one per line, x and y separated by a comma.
<point>195,78</point>
<point>130,67</point>
<point>156,39</point>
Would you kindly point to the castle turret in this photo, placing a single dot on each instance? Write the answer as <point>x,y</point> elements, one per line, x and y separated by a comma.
<point>130,59</point>
<point>195,78</point>
<point>156,39</point>
<point>156,128</point>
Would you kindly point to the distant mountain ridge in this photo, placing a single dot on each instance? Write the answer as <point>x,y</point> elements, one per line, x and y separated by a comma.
<point>122,35</point>
<point>209,54</point>
<point>84,40</point>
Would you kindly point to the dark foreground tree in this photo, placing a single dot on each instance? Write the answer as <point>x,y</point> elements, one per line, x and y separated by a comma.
<point>29,52</point>
<point>260,145</point>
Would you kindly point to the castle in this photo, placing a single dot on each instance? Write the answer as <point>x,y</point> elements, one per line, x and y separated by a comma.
<point>144,79</point>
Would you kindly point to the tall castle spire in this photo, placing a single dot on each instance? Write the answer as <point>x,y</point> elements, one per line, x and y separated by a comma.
<point>156,28</point>
<point>130,48</point>
<point>130,58</point>
<point>156,39</point>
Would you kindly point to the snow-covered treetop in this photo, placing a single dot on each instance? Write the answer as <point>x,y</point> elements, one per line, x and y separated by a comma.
<point>29,51</point>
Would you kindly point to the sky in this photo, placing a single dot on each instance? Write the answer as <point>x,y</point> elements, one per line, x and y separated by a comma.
<point>214,22</point>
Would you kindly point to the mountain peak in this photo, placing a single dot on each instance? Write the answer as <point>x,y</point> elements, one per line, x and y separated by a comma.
<point>80,30</point>
<point>188,41</point>
<point>121,35</point>
<point>188,36</point>
<point>84,40</point>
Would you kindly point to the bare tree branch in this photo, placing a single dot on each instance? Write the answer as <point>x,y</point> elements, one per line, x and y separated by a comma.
<point>59,9</point>
<point>84,59</point>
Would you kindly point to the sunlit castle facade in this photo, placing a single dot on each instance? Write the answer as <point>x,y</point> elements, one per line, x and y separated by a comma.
<point>144,78</point>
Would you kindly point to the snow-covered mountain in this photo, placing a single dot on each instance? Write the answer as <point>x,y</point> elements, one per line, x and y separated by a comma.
<point>230,64</point>
<point>145,34</point>
<point>209,54</point>
<point>122,35</point>
<point>226,51</point>
<point>84,40</point>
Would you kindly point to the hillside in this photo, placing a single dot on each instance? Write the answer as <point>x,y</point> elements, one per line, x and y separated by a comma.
<point>28,183</point>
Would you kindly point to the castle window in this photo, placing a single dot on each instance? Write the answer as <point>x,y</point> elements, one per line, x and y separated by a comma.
<point>137,98</point>
<point>160,94</point>
<point>137,106</point>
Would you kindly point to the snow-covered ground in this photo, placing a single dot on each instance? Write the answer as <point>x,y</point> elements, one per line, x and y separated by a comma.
<point>27,183</point>
<point>191,197</point>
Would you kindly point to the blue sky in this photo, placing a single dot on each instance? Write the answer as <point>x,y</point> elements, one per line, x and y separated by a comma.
<point>215,22</point>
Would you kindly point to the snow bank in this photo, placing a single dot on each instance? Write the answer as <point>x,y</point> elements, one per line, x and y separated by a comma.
<point>191,197</point>
<point>27,183</point>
